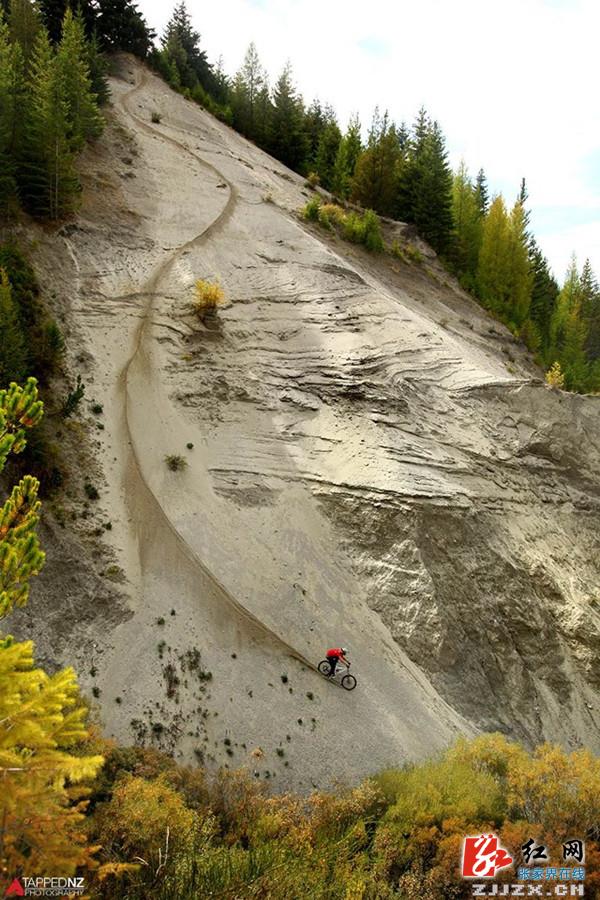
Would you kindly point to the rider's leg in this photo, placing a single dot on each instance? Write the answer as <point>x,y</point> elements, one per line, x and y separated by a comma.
<point>332,665</point>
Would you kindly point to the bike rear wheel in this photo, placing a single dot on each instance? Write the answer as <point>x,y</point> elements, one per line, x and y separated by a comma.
<point>349,682</point>
<point>324,667</point>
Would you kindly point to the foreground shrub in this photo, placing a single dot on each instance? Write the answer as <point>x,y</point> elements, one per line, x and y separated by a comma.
<point>144,818</point>
<point>397,835</point>
<point>208,296</point>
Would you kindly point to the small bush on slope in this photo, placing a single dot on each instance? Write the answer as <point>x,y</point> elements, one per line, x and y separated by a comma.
<point>360,229</point>
<point>208,296</point>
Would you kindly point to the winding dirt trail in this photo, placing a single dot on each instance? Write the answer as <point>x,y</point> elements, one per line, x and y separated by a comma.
<point>146,497</point>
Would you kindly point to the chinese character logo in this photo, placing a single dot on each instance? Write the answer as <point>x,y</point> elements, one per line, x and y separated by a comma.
<point>483,856</point>
<point>15,889</point>
<point>531,851</point>
<point>574,850</point>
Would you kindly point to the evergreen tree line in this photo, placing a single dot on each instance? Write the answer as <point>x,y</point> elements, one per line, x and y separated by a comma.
<point>402,172</point>
<point>498,259</point>
<point>399,172</point>
<point>113,24</point>
<point>48,110</point>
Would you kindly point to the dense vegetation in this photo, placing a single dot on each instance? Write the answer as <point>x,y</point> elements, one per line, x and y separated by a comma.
<point>48,110</point>
<point>166,831</point>
<point>41,715</point>
<point>31,343</point>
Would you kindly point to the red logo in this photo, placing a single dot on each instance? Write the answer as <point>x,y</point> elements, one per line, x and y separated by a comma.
<point>15,889</point>
<point>483,856</point>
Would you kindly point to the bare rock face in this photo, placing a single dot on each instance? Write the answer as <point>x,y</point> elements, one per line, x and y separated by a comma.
<point>370,462</point>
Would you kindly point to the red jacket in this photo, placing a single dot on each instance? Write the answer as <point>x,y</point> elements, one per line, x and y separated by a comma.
<point>336,651</point>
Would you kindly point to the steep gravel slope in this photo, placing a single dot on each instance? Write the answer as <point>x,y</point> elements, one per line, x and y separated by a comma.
<point>368,468</point>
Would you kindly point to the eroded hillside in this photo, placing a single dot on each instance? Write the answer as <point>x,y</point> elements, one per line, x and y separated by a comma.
<point>368,467</point>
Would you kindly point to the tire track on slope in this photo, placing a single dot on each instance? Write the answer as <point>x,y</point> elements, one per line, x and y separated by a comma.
<point>149,289</point>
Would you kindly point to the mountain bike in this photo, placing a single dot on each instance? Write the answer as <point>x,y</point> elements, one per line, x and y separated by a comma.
<point>348,682</point>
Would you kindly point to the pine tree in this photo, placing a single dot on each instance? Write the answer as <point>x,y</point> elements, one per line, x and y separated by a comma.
<point>42,719</point>
<point>326,154</point>
<point>468,226</point>
<point>432,192</point>
<point>544,292</point>
<point>318,118</point>
<point>196,68</point>
<point>48,180</point>
<point>375,180</point>
<point>20,554</point>
<point>263,114</point>
<point>492,269</point>
<point>11,91</point>
<point>53,14</point>
<point>568,332</point>
<point>98,69</point>
<point>83,119</point>
<point>42,725</point>
<point>346,158</point>
<point>590,311</point>
<point>24,21</point>
<point>121,26</point>
<point>481,192</point>
<point>408,181</point>
<point>13,351</point>
<point>424,194</point>
<point>246,94</point>
<point>288,140</point>
<point>518,289</point>
<point>222,86</point>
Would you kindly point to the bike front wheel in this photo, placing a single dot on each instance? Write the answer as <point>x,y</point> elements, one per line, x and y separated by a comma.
<point>349,682</point>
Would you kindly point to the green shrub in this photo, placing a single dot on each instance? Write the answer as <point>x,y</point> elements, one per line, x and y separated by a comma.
<point>354,228</point>
<point>156,117</point>
<point>372,238</point>
<point>311,210</point>
<point>331,215</point>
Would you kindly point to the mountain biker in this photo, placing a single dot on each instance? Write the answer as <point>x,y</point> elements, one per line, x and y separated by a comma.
<point>335,655</point>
